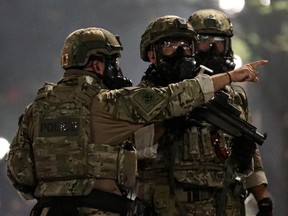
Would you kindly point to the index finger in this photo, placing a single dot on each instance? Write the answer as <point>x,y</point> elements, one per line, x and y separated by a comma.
<point>258,63</point>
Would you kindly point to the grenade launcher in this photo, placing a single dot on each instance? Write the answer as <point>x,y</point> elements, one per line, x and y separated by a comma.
<point>220,113</point>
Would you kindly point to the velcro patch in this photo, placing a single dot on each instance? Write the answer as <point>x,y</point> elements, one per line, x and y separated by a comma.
<point>59,127</point>
<point>148,101</point>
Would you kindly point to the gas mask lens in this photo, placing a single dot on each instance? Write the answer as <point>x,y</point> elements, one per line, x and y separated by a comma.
<point>208,41</point>
<point>117,63</point>
<point>170,47</point>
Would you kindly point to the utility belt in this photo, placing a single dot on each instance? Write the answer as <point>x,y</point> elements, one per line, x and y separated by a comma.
<point>195,194</point>
<point>67,205</point>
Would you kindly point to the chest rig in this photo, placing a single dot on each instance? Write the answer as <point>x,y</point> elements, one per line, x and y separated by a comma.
<point>203,149</point>
<point>203,145</point>
<point>62,129</point>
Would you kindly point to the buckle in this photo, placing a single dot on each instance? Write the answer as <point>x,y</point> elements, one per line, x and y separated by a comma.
<point>194,196</point>
<point>197,195</point>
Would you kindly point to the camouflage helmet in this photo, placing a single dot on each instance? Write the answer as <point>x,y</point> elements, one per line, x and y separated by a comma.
<point>169,26</point>
<point>211,22</point>
<point>81,44</point>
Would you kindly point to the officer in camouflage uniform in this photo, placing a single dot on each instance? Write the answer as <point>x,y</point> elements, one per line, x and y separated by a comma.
<point>182,174</point>
<point>215,31</point>
<point>72,150</point>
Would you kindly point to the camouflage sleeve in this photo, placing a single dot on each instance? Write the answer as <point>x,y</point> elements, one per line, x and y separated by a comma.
<point>20,165</point>
<point>258,177</point>
<point>143,105</point>
<point>206,86</point>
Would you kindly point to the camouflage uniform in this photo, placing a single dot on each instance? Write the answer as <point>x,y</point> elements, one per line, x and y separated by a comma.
<point>71,141</point>
<point>216,23</point>
<point>193,162</point>
<point>185,174</point>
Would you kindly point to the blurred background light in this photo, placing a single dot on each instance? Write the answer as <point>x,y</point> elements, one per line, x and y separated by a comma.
<point>265,2</point>
<point>232,6</point>
<point>4,147</point>
<point>238,61</point>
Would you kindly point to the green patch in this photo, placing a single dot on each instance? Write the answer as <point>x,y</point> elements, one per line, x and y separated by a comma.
<point>148,101</point>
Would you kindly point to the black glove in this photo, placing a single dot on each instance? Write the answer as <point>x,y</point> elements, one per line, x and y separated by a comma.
<point>243,151</point>
<point>265,207</point>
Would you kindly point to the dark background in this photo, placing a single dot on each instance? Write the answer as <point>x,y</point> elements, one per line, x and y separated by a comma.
<point>32,34</point>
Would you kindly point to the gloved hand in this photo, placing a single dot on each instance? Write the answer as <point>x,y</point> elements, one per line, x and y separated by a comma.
<point>243,151</point>
<point>265,207</point>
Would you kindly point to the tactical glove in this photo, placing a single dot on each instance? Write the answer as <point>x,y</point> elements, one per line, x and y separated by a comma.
<point>265,207</point>
<point>243,151</point>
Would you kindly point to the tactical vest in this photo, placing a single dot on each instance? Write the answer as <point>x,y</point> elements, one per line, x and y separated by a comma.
<point>62,129</point>
<point>63,149</point>
<point>197,155</point>
<point>202,152</point>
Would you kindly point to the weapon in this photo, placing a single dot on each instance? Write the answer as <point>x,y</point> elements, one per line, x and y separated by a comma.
<point>220,113</point>
<point>227,117</point>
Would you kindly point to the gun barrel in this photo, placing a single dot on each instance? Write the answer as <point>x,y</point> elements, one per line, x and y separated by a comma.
<point>225,117</point>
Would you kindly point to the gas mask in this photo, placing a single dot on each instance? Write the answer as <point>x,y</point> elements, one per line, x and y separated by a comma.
<point>175,67</point>
<point>215,53</point>
<point>113,77</point>
<point>217,62</point>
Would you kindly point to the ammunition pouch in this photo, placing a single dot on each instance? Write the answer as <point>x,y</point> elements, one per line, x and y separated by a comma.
<point>128,166</point>
<point>164,203</point>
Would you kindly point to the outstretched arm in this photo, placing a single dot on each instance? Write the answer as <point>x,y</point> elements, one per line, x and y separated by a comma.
<point>247,72</point>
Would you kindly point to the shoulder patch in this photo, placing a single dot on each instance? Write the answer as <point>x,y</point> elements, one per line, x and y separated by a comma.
<point>148,102</point>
